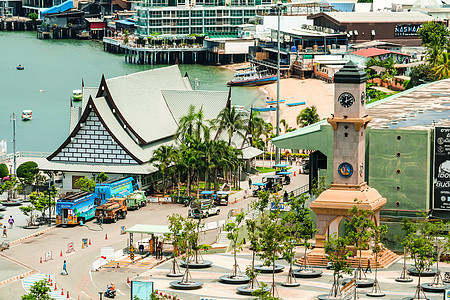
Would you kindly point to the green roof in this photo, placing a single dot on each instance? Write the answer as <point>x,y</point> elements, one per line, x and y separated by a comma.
<point>150,229</point>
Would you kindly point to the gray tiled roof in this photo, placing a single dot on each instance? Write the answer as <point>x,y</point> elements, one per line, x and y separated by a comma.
<point>146,168</point>
<point>139,100</point>
<point>178,102</point>
<point>251,152</point>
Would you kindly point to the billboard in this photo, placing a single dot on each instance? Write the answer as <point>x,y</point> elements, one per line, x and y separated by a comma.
<point>141,289</point>
<point>441,178</point>
<point>407,29</point>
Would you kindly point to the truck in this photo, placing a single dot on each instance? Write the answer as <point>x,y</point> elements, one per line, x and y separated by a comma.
<point>136,200</point>
<point>203,209</point>
<point>112,210</point>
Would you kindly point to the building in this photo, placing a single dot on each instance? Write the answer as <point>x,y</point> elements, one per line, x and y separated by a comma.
<point>399,150</point>
<point>394,27</point>
<point>361,57</point>
<point>119,124</point>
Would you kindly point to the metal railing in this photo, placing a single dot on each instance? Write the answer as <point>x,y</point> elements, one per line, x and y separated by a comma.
<point>301,190</point>
<point>9,157</point>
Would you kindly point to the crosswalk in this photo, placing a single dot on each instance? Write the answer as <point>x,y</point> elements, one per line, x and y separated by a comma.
<point>29,281</point>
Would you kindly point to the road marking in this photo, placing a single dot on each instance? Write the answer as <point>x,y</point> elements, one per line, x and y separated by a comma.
<point>120,292</point>
<point>90,276</point>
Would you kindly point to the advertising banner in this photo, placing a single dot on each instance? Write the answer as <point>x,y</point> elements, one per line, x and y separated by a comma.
<point>3,147</point>
<point>441,180</point>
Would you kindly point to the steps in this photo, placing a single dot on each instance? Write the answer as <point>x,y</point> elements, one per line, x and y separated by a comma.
<point>317,258</point>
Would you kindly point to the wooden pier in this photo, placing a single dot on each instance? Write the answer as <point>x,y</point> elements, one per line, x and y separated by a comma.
<point>18,24</point>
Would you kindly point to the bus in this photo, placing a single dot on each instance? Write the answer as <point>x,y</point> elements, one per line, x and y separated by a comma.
<point>81,206</point>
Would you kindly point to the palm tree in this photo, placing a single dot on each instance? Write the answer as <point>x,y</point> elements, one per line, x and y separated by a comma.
<point>442,69</point>
<point>285,124</point>
<point>231,121</point>
<point>163,156</point>
<point>433,53</point>
<point>192,124</point>
<point>308,116</point>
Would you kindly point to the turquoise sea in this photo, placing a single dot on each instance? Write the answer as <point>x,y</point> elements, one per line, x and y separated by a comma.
<point>57,67</point>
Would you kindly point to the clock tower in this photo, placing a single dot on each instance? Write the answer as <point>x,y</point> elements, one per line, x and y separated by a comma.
<point>349,187</point>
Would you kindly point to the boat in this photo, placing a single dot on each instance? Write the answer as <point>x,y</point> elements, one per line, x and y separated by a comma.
<point>274,101</point>
<point>295,103</point>
<point>27,115</point>
<point>251,77</point>
<point>264,108</point>
<point>20,67</point>
<point>77,95</point>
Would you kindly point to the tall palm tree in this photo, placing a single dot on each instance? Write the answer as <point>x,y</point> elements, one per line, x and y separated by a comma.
<point>433,53</point>
<point>231,121</point>
<point>308,116</point>
<point>284,123</point>
<point>162,159</point>
<point>193,124</point>
<point>442,69</point>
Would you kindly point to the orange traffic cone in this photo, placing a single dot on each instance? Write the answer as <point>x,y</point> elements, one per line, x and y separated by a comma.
<point>295,174</point>
<point>60,254</point>
<point>62,292</point>
<point>41,260</point>
<point>51,282</point>
<point>128,280</point>
<point>89,242</point>
<point>106,236</point>
<point>55,287</point>
<point>68,295</point>
<point>118,265</point>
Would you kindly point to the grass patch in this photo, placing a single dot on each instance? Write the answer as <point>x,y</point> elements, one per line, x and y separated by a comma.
<point>265,169</point>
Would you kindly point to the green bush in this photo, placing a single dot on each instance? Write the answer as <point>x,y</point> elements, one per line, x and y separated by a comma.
<point>3,170</point>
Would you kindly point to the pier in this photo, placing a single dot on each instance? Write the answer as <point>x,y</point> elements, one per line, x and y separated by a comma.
<point>18,24</point>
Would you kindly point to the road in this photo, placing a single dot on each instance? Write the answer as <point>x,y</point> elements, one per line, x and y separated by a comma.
<point>81,281</point>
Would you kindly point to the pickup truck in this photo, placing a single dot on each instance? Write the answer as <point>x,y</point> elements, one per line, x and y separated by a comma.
<point>112,210</point>
<point>203,209</point>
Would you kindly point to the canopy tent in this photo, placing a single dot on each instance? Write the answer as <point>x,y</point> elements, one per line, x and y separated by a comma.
<point>150,229</point>
<point>259,184</point>
<point>284,173</point>
<point>280,166</point>
<point>207,192</point>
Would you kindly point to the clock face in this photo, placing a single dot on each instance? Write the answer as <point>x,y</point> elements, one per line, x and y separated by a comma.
<point>363,98</point>
<point>346,99</point>
<point>345,170</point>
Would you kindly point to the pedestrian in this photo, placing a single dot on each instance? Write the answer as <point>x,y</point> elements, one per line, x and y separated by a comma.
<point>11,222</point>
<point>368,269</point>
<point>100,220</point>
<point>159,251</point>
<point>285,196</point>
<point>250,182</point>
<point>141,248</point>
<point>5,233</point>
<point>65,269</point>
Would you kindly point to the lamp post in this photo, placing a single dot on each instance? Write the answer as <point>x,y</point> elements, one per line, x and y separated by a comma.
<point>279,8</point>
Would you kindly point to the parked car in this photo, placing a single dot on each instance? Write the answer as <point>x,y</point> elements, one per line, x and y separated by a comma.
<point>203,209</point>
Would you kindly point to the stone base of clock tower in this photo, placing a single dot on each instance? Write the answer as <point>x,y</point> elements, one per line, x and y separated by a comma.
<point>331,208</point>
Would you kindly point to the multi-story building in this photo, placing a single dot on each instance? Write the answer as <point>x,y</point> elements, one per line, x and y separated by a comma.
<point>185,17</point>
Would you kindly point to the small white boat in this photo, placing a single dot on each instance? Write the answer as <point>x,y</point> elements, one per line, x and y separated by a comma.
<point>27,115</point>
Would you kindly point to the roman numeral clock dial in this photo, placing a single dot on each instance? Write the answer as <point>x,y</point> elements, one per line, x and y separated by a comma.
<point>346,99</point>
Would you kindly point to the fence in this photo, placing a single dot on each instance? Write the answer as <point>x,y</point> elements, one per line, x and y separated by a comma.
<point>9,157</point>
<point>301,190</point>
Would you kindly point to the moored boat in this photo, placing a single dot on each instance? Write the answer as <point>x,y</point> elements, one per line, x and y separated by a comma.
<point>77,95</point>
<point>295,103</point>
<point>274,101</point>
<point>27,115</point>
<point>20,67</point>
<point>251,77</point>
<point>264,108</point>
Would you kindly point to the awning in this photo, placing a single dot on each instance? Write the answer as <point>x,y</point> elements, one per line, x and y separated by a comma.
<point>280,166</point>
<point>150,229</point>
<point>259,184</point>
<point>251,152</point>
<point>284,173</point>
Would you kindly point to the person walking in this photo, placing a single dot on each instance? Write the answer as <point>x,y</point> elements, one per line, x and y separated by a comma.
<point>250,182</point>
<point>159,251</point>
<point>5,232</point>
<point>65,269</point>
<point>368,269</point>
<point>11,222</point>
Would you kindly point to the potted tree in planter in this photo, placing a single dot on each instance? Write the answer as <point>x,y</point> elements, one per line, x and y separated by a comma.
<point>233,229</point>
<point>292,226</point>
<point>377,247</point>
<point>176,227</point>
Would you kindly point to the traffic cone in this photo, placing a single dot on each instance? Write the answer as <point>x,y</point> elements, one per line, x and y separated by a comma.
<point>118,265</point>
<point>62,292</point>
<point>106,236</point>
<point>295,174</point>
<point>51,282</point>
<point>41,260</point>
<point>128,280</point>
<point>55,287</point>
<point>68,295</point>
<point>89,242</point>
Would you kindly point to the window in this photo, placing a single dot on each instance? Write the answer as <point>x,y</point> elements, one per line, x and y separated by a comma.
<point>249,13</point>
<point>183,23</point>
<point>196,29</point>
<point>166,14</point>
<point>155,22</point>
<point>196,14</point>
<point>197,22</point>
<point>210,21</point>
<point>182,30</point>
<point>236,21</point>
<point>210,13</point>
<point>183,14</point>
<point>155,14</point>
<point>236,13</point>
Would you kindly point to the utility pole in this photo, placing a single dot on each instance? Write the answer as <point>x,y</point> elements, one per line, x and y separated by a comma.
<point>279,8</point>
<point>13,119</point>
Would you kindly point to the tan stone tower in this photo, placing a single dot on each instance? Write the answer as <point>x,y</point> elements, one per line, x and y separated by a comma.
<point>349,123</point>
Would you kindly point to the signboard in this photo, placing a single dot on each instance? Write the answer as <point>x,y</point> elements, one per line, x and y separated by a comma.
<point>70,247</point>
<point>348,290</point>
<point>141,289</point>
<point>407,29</point>
<point>447,295</point>
<point>441,180</point>
<point>281,206</point>
<point>48,256</point>
<point>107,253</point>
<point>84,243</point>
<point>3,147</point>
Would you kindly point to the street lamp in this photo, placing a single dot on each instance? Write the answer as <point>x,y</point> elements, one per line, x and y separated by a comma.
<point>279,8</point>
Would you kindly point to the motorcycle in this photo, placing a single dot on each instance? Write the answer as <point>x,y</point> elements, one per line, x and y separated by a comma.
<point>110,294</point>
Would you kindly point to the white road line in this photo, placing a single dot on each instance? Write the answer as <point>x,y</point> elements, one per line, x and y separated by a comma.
<point>90,276</point>
<point>120,292</point>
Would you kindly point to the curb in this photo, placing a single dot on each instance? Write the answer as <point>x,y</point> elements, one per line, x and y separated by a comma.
<point>32,235</point>
<point>16,277</point>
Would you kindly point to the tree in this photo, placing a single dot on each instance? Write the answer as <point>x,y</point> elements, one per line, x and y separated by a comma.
<point>9,186</point>
<point>38,291</point>
<point>338,254</point>
<point>359,234</point>
<point>27,173</point>
<point>192,126</point>
<point>164,157</point>
<point>233,229</point>
<point>102,177</point>
<point>308,116</point>
<point>442,68</point>
<point>85,184</point>
<point>421,73</point>
<point>434,33</point>
<point>377,233</point>
<point>176,222</point>
<point>33,16</point>
<point>231,121</point>
<point>3,171</point>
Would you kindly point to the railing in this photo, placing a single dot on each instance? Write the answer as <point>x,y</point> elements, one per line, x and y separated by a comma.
<point>9,157</point>
<point>301,190</point>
